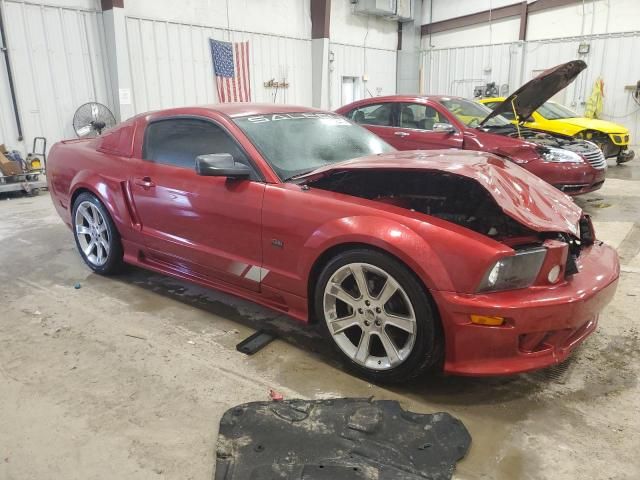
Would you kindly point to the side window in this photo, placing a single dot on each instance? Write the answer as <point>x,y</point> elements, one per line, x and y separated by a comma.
<point>377,114</point>
<point>178,141</point>
<point>418,116</point>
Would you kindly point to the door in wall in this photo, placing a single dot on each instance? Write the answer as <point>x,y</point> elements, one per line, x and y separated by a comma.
<point>348,90</point>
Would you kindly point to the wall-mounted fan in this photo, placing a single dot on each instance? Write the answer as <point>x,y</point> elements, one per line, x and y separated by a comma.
<point>91,119</point>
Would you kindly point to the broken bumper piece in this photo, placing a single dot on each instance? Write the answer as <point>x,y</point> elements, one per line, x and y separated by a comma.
<point>337,439</point>
<point>625,156</point>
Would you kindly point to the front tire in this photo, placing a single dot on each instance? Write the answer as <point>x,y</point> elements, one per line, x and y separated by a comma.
<point>377,315</point>
<point>96,236</point>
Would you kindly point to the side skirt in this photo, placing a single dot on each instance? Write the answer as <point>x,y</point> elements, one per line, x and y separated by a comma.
<point>282,302</point>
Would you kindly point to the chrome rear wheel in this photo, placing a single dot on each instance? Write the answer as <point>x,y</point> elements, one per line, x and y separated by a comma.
<point>96,236</point>
<point>92,233</point>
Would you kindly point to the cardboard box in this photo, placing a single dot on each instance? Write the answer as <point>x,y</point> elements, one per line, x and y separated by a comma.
<point>8,167</point>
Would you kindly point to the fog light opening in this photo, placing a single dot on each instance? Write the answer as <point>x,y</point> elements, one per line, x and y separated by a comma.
<point>554,274</point>
<point>487,320</point>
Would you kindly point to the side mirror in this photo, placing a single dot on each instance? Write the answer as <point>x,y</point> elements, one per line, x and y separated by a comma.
<point>443,128</point>
<point>221,165</point>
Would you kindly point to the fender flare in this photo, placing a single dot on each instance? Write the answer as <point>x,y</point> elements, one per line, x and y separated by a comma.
<point>105,189</point>
<point>390,236</point>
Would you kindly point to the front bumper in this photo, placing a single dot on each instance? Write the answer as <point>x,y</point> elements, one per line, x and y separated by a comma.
<point>544,324</point>
<point>625,156</point>
<point>592,179</point>
<point>571,178</point>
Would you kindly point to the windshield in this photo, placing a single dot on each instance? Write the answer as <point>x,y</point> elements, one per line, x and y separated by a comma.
<point>555,111</point>
<point>472,113</point>
<point>297,143</point>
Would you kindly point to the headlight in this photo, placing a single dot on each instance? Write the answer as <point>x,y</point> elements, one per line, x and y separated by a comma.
<point>560,155</point>
<point>516,271</point>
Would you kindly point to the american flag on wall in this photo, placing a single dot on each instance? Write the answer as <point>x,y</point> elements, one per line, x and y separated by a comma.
<point>231,68</point>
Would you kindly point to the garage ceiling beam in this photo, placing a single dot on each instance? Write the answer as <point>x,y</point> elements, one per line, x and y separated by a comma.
<point>524,17</point>
<point>485,16</point>
<point>320,22</point>
<point>320,18</point>
<point>110,4</point>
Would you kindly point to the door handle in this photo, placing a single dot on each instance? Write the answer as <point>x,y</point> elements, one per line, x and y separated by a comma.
<point>144,182</point>
<point>401,134</point>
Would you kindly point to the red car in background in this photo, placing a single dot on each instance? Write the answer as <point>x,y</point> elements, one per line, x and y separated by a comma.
<point>410,122</point>
<point>408,260</point>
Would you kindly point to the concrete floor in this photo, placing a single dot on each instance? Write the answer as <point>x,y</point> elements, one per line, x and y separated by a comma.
<point>127,377</point>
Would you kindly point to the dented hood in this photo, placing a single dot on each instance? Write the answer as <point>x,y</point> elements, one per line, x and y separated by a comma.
<point>523,196</point>
<point>529,97</point>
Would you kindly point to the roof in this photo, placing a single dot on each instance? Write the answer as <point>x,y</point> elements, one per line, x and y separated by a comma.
<point>237,109</point>
<point>401,98</point>
<point>395,98</point>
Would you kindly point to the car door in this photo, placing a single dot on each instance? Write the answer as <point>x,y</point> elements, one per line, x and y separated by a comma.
<point>423,127</point>
<point>376,117</point>
<point>202,224</point>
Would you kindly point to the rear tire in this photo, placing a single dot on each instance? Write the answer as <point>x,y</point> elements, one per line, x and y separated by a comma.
<point>387,334</point>
<point>97,238</point>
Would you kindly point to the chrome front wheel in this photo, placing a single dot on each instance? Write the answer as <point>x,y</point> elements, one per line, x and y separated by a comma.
<point>370,316</point>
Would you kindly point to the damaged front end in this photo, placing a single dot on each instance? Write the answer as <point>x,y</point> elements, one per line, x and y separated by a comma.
<point>450,197</point>
<point>545,230</point>
<point>528,306</point>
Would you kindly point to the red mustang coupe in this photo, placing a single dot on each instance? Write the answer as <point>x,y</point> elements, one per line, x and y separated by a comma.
<point>408,260</point>
<point>410,122</point>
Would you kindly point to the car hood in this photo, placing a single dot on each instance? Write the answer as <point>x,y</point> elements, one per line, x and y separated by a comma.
<point>594,124</point>
<point>529,97</point>
<point>523,196</point>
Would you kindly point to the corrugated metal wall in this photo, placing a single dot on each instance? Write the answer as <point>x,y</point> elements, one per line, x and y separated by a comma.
<point>58,62</point>
<point>171,64</point>
<point>355,61</point>
<point>455,71</point>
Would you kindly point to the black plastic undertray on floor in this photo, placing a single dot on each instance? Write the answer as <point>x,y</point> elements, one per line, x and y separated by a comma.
<point>337,439</point>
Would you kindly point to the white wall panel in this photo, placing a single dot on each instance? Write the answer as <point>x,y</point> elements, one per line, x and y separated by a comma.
<point>171,64</point>
<point>585,18</point>
<point>58,61</point>
<point>446,9</point>
<point>456,71</point>
<point>352,61</point>
<point>276,17</point>
<point>501,31</point>
<point>365,30</point>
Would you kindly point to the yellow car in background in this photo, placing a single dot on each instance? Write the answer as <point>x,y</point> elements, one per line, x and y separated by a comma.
<point>552,117</point>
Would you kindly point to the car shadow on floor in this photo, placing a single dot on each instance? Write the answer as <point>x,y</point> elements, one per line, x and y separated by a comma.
<point>433,386</point>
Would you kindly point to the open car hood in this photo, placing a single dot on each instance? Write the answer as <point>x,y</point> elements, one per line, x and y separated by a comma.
<point>527,199</point>
<point>529,97</point>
